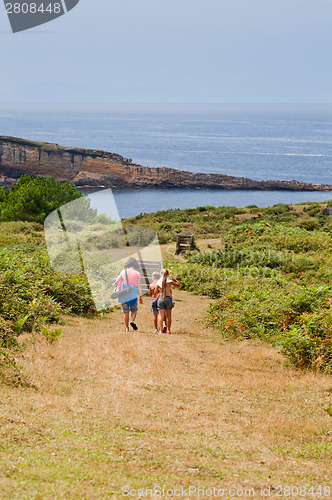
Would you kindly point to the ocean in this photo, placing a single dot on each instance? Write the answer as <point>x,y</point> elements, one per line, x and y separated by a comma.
<point>261,142</point>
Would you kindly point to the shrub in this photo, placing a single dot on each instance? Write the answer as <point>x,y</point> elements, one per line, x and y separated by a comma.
<point>8,337</point>
<point>270,280</point>
<point>32,199</point>
<point>308,344</point>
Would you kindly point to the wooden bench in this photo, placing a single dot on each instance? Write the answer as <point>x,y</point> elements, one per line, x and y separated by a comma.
<point>183,243</point>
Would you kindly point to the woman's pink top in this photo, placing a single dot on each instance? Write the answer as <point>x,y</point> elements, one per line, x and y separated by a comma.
<point>133,277</point>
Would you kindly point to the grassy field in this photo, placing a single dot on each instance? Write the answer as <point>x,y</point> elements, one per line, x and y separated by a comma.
<point>113,410</point>
<point>100,411</point>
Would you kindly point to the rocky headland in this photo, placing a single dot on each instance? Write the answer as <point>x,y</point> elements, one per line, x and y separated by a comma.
<point>95,168</point>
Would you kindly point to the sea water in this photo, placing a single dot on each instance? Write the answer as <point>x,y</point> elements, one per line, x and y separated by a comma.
<point>261,142</point>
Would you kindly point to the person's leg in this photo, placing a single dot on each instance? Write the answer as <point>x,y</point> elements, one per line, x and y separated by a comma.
<point>133,316</point>
<point>161,317</point>
<point>168,319</point>
<point>164,319</point>
<point>125,310</point>
<point>168,305</point>
<point>126,320</point>
<point>154,310</point>
<point>133,310</point>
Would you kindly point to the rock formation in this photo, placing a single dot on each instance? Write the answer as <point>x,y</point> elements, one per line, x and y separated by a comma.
<point>93,168</point>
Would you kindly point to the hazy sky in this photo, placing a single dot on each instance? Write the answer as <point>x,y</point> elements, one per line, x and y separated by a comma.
<point>173,51</point>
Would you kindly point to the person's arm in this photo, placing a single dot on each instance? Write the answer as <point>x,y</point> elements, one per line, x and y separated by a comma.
<point>119,278</point>
<point>175,282</point>
<point>139,288</point>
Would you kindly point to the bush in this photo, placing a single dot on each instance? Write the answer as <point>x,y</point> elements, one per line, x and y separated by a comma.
<point>32,199</point>
<point>271,281</point>
<point>32,295</point>
<point>308,344</point>
<point>27,278</point>
<point>8,337</point>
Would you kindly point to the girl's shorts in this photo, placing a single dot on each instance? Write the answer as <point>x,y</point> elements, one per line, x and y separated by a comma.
<point>154,307</point>
<point>165,304</point>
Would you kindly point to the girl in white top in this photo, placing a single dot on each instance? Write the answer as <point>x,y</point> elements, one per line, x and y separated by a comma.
<point>165,303</point>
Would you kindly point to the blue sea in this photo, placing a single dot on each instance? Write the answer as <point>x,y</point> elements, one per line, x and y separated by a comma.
<point>260,142</point>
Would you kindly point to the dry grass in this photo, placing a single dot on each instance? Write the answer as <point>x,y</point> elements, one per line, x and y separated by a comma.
<point>138,409</point>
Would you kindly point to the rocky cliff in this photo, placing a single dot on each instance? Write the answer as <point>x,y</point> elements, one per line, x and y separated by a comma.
<point>93,168</point>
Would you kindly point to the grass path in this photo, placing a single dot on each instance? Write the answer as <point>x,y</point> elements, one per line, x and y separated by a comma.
<point>115,409</point>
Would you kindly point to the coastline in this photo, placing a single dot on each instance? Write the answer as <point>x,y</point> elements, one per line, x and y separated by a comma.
<point>97,169</point>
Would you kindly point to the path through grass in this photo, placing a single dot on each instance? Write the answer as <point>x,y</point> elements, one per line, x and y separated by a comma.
<point>141,410</point>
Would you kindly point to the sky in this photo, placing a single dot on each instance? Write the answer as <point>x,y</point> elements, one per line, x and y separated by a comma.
<point>173,51</point>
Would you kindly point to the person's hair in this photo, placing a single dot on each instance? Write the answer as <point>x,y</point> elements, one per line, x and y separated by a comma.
<point>132,262</point>
<point>156,275</point>
<point>164,273</point>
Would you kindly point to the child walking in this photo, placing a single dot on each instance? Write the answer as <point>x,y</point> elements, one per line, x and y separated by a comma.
<point>154,295</point>
<point>165,302</point>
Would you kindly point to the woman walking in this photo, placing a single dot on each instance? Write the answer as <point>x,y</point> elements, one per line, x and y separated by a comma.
<point>132,277</point>
<point>165,301</point>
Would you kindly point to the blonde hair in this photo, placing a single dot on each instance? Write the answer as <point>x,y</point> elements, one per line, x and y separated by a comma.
<point>164,273</point>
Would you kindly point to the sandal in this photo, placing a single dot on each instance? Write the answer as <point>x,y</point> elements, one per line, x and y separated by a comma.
<point>134,326</point>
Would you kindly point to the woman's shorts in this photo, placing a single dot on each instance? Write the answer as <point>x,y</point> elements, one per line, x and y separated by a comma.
<point>126,307</point>
<point>154,307</point>
<point>165,304</point>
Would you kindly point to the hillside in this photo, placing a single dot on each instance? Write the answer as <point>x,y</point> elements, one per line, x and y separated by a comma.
<point>239,396</point>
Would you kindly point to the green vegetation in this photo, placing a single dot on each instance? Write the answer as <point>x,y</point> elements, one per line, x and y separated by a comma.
<point>31,293</point>
<point>33,199</point>
<point>207,222</point>
<point>201,221</point>
<point>45,146</point>
<point>106,413</point>
<point>270,277</point>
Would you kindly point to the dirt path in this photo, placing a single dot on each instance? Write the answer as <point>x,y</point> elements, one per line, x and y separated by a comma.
<point>115,409</point>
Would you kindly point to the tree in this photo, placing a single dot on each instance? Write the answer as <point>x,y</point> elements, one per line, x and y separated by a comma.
<point>33,199</point>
